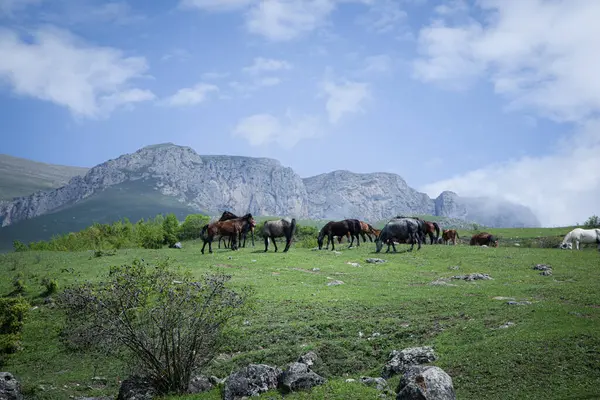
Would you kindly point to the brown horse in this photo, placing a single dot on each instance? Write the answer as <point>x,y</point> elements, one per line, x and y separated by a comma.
<point>366,230</point>
<point>339,228</point>
<point>232,228</point>
<point>484,238</point>
<point>449,235</point>
<point>226,216</point>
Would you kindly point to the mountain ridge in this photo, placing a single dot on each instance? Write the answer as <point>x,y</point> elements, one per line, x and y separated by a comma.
<point>262,186</point>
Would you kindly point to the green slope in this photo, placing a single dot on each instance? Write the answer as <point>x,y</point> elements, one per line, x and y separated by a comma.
<point>21,177</point>
<point>133,200</point>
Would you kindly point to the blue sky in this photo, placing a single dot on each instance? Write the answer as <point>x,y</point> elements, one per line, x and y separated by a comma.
<point>490,97</point>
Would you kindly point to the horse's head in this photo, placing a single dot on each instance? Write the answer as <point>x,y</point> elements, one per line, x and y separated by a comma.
<point>566,246</point>
<point>378,245</point>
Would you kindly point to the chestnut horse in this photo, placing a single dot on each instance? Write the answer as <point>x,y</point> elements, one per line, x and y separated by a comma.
<point>226,216</point>
<point>366,230</point>
<point>484,238</point>
<point>232,228</point>
<point>339,228</point>
<point>449,235</point>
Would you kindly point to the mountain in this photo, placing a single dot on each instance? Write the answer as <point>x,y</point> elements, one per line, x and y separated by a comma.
<point>176,177</point>
<point>21,177</point>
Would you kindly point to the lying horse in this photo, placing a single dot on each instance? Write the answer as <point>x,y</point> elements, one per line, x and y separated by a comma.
<point>578,235</point>
<point>449,235</point>
<point>232,228</point>
<point>400,229</point>
<point>339,228</point>
<point>274,229</point>
<point>484,238</point>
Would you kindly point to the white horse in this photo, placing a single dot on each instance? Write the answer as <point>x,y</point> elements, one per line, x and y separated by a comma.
<point>579,235</point>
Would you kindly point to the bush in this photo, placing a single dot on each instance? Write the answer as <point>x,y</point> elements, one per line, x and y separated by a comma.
<point>51,286</point>
<point>12,316</point>
<point>592,222</point>
<point>170,227</point>
<point>191,227</point>
<point>169,325</point>
<point>150,236</point>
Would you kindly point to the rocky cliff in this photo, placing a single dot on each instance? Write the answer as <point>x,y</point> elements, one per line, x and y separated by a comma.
<point>264,187</point>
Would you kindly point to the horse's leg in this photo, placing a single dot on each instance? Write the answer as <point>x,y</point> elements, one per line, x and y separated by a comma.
<point>252,233</point>
<point>210,239</point>
<point>203,246</point>
<point>330,237</point>
<point>288,242</point>
<point>266,243</point>
<point>274,243</point>
<point>577,243</point>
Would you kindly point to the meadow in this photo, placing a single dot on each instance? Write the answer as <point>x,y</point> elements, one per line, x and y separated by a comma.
<point>550,351</point>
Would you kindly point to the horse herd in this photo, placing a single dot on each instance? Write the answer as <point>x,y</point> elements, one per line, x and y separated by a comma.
<point>400,229</point>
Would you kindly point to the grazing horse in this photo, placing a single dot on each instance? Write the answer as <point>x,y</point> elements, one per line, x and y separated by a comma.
<point>401,229</point>
<point>274,229</point>
<point>578,236</point>
<point>226,216</point>
<point>339,228</point>
<point>484,238</point>
<point>232,228</point>
<point>450,235</point>
<point>367,230</point>
<point>421,227</point>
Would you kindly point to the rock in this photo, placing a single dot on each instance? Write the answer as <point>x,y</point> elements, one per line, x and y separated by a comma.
<point>298,376</point>
<point>215,381</point>
<point>316,269</point>
<point>400,361</point>
<point>542,267</point>
<point>200,384</point>
<point>518,303</point>
<point>350,380</point>
<point>506,325</point>
<point>354,264</point>
<point>441,282</point>
<point>251,381</point>
<point>472,277</point>
<point>335,283</point>
<point>425,383</point>
<point>136,388</point>
<point>310,358</point>
<point>546,273</point>
<point>10,387</point>
<point>375,261</point>
<point>503,298</point>
<point>517,244</point>
<point>176,245</point>
<point>378,383</point>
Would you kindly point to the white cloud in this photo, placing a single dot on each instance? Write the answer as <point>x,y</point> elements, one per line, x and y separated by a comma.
<point>191,96</point>
<point>216,5</point>
<point>540,55</point>
<point>383,16</point>
<point>561,189</point>
<point>58,67</point>
<point>262,64</point>
<point>263,129</point>
<point>344,98</point>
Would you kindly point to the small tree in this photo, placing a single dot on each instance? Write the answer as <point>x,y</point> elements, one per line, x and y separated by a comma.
<point>592,222</point>
<point>169,325</point>
<point>191,227</point>
<point>171,229</point>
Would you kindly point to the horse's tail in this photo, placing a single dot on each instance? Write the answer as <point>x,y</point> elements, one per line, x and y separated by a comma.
<point>458,237</point>
<point>437,231</point>
<point>292,228</point>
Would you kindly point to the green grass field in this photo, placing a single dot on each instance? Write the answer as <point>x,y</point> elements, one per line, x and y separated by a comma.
<point>551,352</point>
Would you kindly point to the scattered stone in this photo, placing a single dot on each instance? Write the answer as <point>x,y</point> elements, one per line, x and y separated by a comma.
<point>200,384</point>
<point>441,282</point>
<point>375,261</point>
<point>542,267</point>
<point>503,298</point>
<point>473,277</point>
<point>298,376</point>
<point>518,244</point>
<point>252,260</point>
<point>484,246</point>
<point>309,358</point>
<point>251,381</point>
<point>546,273</point>
<point>400,361</point>
<point>316,269</point>
<point>360,334</point>
<point>518,303</point>
<point>350,380</point>
<point>425,383</point>
<point>378,383</point>
<point>454,267</point>
<point>176,245</point>
<point>506,325</point>
<point>136,388</point>
<point>405,325</point>
<point>353,264</point>
<point>10,387</point>
<point>337,252</point>
<point>335,283</point>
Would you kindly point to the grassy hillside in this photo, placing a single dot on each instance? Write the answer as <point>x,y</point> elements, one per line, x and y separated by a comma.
<point>552,350</point>
<point>22,177</point>
<point>134,200</point>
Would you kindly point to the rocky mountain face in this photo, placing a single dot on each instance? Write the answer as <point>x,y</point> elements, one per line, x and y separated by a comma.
<point>263,186</point>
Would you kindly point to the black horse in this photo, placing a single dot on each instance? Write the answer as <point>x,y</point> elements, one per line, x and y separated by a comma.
<point>339,228</point>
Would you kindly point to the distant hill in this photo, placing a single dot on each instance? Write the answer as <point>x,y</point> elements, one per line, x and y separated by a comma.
<point>169,178</point>
<point>22,177</point>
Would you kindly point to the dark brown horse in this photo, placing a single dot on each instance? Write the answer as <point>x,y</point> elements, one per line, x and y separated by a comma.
<point>449,235</point>
<point>339,228</point>
<point>484,238</point>
<point>232,228</point>
<point>226,216</point>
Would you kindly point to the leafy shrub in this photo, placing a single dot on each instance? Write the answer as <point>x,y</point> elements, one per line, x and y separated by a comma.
<point>170,227</point>
<point>191,227</point>
<point>12,316</point>
<point>19,286</point>
<point>150,236</point>
<point>51,286</point>
<point>166,324</point>
<point>592,222</point>
<point>19,246</point>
